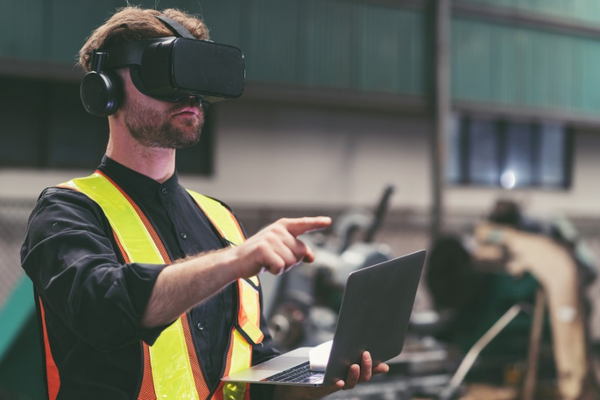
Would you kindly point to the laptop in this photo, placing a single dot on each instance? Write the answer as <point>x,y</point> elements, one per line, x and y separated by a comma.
<point>374,317</point>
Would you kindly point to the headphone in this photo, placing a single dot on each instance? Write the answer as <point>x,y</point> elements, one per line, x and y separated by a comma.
<point>101,90</point>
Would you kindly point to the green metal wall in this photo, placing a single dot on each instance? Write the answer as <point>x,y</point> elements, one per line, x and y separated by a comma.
<point>582,10</point>
<point>326,43</point>
<point>21,376</point>
<point>496,63</point>
<point>360,45</point>
<point>335,44</point>
<point>55,30</point>
<point>51,30</point>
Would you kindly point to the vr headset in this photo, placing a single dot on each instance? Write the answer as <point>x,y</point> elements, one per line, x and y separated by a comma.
<point>168,69</point>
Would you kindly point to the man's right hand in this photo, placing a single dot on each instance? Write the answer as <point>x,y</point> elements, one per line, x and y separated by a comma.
<point>276,248</point>
<point>184,284</point>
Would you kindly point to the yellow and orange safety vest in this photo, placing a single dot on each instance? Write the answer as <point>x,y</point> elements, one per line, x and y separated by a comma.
<point>171,367</point>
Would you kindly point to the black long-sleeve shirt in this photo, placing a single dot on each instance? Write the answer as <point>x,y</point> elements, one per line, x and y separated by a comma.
<point>93,300</point>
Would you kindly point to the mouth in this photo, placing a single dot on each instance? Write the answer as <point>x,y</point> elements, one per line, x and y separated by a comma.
<point>188,111</point>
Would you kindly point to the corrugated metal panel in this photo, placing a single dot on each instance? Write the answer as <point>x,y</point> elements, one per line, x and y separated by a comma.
<point>330,56</point>
<point>583,10</point>
<point>270,40</point>
<point>225,19</point>
<point>22,26</point>
<point>55,30</point>
<point>392,50</point>
<point>501,64</point>
<point>336,44</point>
<point>325,43</point>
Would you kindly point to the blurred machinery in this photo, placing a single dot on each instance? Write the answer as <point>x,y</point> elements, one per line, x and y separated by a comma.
<point>509,260</point>
<point>477,336</point>
<point>477,342</point>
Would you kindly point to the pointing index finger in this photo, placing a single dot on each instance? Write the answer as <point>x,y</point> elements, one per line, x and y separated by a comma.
<point>299,226</point>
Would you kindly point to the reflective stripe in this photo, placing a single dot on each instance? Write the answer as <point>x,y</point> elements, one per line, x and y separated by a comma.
<point>240,351</point>
<point>226,223</point>
<point>123,218</point>
<point>171,371</point>
<point>240,358</point>
<point>221,218</point>
<point>52,376</point>
<point>233,391</point>
<point>249,317</point>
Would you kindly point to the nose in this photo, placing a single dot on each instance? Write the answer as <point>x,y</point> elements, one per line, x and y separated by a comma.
<point>195,100</point>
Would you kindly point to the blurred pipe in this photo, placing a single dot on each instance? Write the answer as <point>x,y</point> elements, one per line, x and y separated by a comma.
<point>534,345</point>
<point>442,113</point>
<point>466,364</point>
<point>379,214</point>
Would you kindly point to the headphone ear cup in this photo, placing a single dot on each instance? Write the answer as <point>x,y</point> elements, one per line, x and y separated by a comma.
<point>100,93</point>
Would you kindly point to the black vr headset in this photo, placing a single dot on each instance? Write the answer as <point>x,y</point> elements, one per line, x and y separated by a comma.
<point>168,69</point>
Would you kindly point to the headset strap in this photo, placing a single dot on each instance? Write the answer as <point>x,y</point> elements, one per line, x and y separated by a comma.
<point>130,53</point>
<point>175,27</point>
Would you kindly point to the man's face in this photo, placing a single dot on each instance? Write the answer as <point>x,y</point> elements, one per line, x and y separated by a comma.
<point>160,124</point>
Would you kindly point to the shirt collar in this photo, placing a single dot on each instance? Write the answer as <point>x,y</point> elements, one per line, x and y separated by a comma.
<point>136,184</point>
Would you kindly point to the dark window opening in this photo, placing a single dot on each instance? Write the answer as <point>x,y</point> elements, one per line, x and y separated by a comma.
<point>44,126</point>
<point>508,154</point>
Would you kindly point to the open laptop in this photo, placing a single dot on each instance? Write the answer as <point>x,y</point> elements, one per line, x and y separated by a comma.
<point>374,317</point>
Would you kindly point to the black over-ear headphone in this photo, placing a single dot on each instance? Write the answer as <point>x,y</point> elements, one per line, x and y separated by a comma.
<point>101,90</point>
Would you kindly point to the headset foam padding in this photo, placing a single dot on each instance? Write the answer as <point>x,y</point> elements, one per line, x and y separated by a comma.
<point>100,93</point>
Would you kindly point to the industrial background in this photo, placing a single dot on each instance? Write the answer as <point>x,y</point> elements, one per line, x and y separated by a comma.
<point>455,103</point>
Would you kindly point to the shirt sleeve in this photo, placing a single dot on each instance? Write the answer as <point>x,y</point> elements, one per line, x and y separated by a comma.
<point>69,254</point>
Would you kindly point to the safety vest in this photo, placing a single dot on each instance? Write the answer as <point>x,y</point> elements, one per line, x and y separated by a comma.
<point>171,367</point>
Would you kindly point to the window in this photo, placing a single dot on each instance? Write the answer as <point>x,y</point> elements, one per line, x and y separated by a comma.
<point>489,152</point>
<point>44,125</point>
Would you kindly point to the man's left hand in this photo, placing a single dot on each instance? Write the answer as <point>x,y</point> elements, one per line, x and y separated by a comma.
<point>356,374</point>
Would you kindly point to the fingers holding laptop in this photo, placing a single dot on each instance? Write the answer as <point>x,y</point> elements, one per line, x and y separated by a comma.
<point>356,374</point>
<point>362,373</point>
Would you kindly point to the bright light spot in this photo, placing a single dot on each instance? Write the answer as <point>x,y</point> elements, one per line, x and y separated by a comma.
<point>508,180</point>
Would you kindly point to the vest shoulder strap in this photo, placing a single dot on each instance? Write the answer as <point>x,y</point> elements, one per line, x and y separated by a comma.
<point>169,357</point>
<point>221,217</point>
<point>224,220</point>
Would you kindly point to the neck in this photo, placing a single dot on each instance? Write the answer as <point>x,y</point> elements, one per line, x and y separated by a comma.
<point>155,163</point>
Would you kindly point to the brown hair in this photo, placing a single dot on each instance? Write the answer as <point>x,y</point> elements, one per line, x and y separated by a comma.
<point>133,23</point>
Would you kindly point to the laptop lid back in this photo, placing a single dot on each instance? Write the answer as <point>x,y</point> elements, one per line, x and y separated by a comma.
<point>375,313</point>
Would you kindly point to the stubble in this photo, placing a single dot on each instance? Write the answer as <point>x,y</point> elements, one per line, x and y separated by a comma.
<point>156,128</point>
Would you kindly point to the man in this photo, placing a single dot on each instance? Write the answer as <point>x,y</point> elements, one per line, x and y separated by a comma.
<point>145,290</point>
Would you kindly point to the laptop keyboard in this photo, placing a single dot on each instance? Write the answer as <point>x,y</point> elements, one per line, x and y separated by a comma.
<point>299,374</point>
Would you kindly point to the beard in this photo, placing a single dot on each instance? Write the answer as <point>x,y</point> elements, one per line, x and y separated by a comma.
<point>156,129</point>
